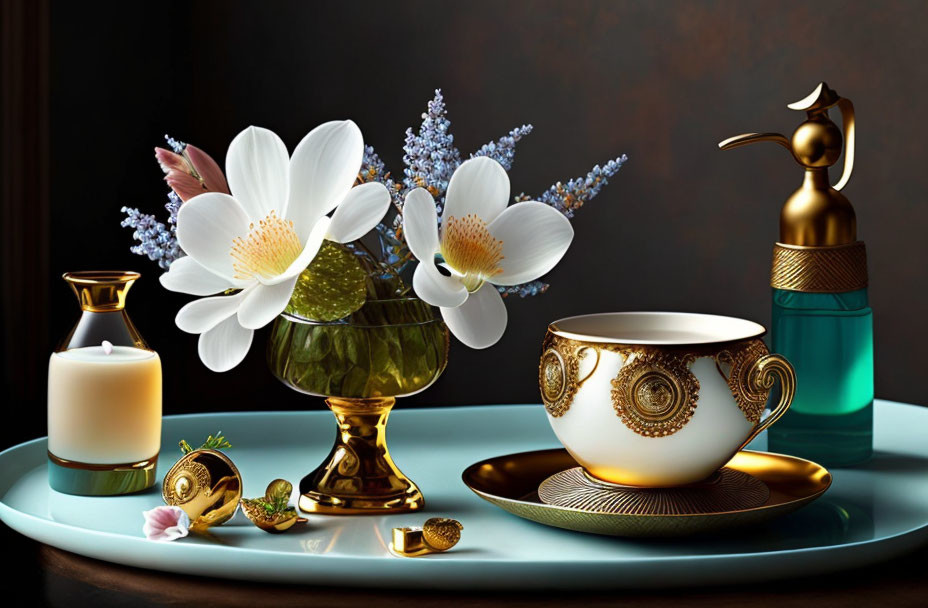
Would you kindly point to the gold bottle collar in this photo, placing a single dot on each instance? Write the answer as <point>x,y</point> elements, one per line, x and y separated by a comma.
<point>819,269</point>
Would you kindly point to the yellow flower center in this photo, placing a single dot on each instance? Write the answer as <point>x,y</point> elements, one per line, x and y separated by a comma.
<point>469,248</point>
<point>267,251</point>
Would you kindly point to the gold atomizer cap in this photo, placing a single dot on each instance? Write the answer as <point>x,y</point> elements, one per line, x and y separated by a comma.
<point>818,249</point>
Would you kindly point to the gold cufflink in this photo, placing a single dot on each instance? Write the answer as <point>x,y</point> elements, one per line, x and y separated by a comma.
<point>436,535</point>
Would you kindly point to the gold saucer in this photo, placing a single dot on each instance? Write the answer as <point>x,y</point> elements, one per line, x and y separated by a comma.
<point>511,482</point>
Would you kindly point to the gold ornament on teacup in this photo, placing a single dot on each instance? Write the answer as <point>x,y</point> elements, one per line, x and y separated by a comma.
<point>748,392</point>
<point>655,393</point>
<point>559,372</point>
<point>204,483</point>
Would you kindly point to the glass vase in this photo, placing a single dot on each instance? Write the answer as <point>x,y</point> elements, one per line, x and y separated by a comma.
<point>104,395</point>
<point>388,349</point>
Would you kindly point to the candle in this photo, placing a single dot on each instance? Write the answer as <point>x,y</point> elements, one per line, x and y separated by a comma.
<point>104,405</point>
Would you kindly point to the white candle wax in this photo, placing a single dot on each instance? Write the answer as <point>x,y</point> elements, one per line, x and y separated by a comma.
<point>104,408</point>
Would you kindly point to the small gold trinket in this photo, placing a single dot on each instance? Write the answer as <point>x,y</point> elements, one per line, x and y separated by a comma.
<point>206,485</point>
<point>436,535</point>
<point>272,513</point>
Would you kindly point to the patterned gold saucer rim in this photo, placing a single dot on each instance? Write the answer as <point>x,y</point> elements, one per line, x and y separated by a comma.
<point>726,490</point>
<point>511,483</point>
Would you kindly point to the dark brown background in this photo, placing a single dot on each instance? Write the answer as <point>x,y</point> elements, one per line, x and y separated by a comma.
<point>90,87</point>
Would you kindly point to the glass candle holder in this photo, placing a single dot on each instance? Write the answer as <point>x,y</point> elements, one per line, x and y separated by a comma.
<point>104,395</point>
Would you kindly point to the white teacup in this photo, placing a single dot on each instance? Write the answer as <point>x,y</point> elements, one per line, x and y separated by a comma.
<point>658,398</point>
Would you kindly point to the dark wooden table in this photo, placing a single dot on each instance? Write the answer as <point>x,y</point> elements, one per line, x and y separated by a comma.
<point>39,575</point>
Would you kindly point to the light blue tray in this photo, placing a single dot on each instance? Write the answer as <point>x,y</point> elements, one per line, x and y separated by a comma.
<point>869,514</point>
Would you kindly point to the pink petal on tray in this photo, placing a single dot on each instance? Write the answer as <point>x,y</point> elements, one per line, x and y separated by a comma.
<point>165,523</point>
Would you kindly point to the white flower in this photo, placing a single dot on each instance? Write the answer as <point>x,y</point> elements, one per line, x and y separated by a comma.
<point>483,243</point>
<point>165,523</point>
<point>260,238</point>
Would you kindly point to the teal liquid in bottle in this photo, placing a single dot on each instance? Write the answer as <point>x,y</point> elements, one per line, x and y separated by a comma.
<point>828,337</point>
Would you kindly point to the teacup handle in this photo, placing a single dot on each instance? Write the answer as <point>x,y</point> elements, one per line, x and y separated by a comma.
<point>762,375</point>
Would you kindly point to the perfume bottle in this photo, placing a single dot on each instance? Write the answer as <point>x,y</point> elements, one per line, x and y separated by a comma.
<point>104,395</point>
<point>822,320</point>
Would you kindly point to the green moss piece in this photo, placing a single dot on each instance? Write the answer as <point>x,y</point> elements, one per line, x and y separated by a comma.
<point>332,287</point>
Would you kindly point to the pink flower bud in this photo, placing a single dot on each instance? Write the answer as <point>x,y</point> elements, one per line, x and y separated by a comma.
<point>208,170</point>
<point>185,185</point>
<point>165,523</point>
<point>170,161</point>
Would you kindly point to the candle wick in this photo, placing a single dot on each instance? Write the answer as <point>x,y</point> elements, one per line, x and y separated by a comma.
<point>107,347</point>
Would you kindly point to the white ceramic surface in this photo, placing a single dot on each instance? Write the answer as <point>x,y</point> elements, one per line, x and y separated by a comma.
<point>599,439</point>
<point>870,513</point>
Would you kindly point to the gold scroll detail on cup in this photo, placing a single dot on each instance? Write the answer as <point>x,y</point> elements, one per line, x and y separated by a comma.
<point>750,396</point>
<point>763,373</point>
<point>655,393</point>
<point>559,372</point>
<point>819,269</point>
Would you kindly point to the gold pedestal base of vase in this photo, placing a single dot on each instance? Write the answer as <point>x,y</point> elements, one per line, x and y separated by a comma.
<point>359,477</point>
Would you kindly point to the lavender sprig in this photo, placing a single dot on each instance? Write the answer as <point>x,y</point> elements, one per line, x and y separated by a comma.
<point>173,206</point>
<point>373,170</point>
<point>176,145</point>
<point>503,150</point>
<point>156,241</point>
<point>430,156</point>
<point>569,197</point>
<point>523,290</point>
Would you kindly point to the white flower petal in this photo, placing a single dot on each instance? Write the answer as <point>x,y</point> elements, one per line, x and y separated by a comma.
<point>322,169</point>
<point>420,224</point>
<point>310,249</point>
<point>206,313</point>
<point>363,208</point>
<point>206,226</point>
<point>257,169</point>
<point>480,186</point>
<point>481,321</point>
<point>224,346</point>
<point>535,237</point>
<point>263,303</point>
<point>185,275</point>
<point>435,288</point>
